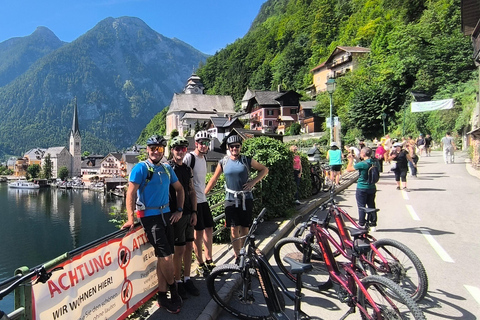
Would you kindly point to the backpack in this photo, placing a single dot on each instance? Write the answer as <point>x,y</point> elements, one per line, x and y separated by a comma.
<point>192,160</point>
<point>373,173</point>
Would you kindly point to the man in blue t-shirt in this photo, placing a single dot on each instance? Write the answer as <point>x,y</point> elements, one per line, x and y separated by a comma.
<point>148,194</point>
<point>365,194</point>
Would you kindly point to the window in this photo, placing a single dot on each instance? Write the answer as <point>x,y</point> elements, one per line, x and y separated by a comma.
<point>293,111</point>
<point>270,123</point>
<point>269,112</point>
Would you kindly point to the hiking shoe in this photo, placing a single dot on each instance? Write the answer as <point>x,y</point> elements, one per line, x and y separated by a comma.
<point>406,189</point>
<point>164,302</point>
<point>210,265</point>
<point>191,289</point>
<point>181,289</point>
<point>398,188</point>
<point>203,271</point>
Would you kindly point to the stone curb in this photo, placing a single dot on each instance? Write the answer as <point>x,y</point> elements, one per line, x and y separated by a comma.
<point>212,310</point>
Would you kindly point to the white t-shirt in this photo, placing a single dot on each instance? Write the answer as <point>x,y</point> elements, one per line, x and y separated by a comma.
<point>199,175</point>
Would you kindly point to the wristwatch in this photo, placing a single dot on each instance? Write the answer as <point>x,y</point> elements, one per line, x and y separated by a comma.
<point>180,209</point>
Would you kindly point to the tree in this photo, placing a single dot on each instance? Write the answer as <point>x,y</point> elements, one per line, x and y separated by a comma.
<point>34,170</point>
<point>47,167</point>
<point>85,153</point>
<point>63,173</point>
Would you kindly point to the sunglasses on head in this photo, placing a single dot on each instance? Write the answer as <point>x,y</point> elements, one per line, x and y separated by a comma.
<point>234,146</point>
<point>204,143</point>
<point>157,148</point>
<point>180,148</point>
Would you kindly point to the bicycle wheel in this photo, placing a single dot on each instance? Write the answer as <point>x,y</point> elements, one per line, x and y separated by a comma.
<point>237,292</point>
<point>405,268</point>
<point>318,279</point>
<point>327,184</point>
<point>398,305</point>
<point>316,184</point>
<point>300,232</point>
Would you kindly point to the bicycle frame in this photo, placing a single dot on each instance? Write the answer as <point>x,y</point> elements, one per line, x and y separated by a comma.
<point>349,281</point>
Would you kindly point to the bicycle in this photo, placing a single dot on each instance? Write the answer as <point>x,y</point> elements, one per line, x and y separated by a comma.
<point>317,180</point>
<point>376,297</point>
<point>251,289</point>
<point>388,257</point>
<point>41,275</point>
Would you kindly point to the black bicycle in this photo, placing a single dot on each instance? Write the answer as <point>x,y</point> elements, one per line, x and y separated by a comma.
<point>251,289</point>
<point>38,274</point>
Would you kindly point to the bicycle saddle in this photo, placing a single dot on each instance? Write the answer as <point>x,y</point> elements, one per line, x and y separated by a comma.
<point>298,267</point>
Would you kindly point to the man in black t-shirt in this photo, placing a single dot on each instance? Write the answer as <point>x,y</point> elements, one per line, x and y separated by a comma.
<point>428,145</point>
<point>183,229</point>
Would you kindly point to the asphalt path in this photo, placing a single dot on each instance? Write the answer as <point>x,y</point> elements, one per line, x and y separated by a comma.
<point>438,219</point>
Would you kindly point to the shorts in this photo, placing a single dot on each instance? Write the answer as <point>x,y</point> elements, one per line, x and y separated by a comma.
<point>183,230</point>
<point>159,233</point>
<point>336,167</point>
<point>401,174</point>
<point>204,217</point>
<point>235,216</point>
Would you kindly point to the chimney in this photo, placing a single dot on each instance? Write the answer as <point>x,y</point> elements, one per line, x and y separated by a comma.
<point>279,88</point>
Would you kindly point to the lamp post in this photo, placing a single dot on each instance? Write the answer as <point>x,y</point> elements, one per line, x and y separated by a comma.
<point>384,116</point>
<point>331,89</point>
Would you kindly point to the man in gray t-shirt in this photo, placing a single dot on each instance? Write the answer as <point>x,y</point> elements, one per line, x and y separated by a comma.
<point>449,148</point>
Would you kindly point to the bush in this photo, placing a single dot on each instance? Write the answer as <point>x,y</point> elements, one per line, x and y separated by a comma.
<point>278,187</point>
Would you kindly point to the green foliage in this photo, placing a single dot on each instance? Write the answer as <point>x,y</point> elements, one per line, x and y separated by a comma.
<point>34,170</point>
<point>294,129</point>
<point>274,155</point>
<point>157,125</point>
<point>118,217</point>
<point>5,171</point>
<point>63,173</point>
<point>85,153</point>
<point>47,167</point>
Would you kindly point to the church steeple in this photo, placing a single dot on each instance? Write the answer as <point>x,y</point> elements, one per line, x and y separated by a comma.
<point>194,85</point>
<point>75,128</point>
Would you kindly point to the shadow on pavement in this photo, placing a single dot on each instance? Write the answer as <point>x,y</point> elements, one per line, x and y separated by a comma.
<point>433,305</point>
<point>416,230</point>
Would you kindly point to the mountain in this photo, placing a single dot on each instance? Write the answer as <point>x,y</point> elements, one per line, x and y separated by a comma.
<point>18,54</point>
<point>121,72</point>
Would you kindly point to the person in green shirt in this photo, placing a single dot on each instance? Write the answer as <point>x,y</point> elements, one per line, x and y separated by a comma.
<point>365,194</point>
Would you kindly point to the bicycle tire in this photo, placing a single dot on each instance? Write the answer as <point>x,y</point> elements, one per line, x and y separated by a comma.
<point>318,279</point>
<point>300,233</point>
<point>398,305</point>
<point>316,184</point>
<point>226,283</point>
<point>401,261</point>
<point>327,184</point>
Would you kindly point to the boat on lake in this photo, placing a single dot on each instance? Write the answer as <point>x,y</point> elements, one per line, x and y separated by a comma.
<point>20,184</point>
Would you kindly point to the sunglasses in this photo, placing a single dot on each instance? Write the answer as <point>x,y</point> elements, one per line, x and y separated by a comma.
<point>179,148</point>
<point>204,143</point>
<point>235,146</point>
<point>157,148</point>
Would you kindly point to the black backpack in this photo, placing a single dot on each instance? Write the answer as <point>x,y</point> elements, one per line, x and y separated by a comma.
<point>373,173</point>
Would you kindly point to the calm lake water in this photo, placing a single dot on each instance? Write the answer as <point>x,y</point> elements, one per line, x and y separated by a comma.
<point>39,225</point>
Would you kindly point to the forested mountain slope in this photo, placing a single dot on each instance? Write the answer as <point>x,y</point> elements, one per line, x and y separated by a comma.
<point>416,45</point>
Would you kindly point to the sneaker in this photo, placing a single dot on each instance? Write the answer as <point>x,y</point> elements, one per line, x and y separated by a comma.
<point>191,289</point>
<point>210,265</point>
<point>398,188</point>
<point>297,202</point>
<point>406,189</point>
<point>164,302</point>
<point>203,271</point>
<point>181,289</point>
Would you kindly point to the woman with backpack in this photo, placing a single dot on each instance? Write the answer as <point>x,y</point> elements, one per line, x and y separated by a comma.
<point>366,188</point>
<point>238,187</point>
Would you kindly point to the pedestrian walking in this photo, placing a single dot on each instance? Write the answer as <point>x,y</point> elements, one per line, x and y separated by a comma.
<point>380,155</point>
<point>420,144</point>
<point>238,190</point>
<point>204,228</point>
<point>387,144</point>
<point>183,229</point>
<point>428,145</point>
<point>401,158</point>
<point>148,195</point>
<point>448,146</point>
<point>366,191</point>
<point>335,157</point>
<point>297,171</point>
<point>412,164</point>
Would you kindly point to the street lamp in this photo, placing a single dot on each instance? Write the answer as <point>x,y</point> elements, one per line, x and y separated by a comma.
<point>331,89</point>
<point>384,117</point>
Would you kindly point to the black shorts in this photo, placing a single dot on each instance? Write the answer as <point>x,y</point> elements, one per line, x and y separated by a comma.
<point>204,217</point>
<point>159,233</point>
<point>235,216</point>
<point>183,230</point>
<point>336,167</point>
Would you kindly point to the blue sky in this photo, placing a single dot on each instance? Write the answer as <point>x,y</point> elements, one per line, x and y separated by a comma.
<point>207,25</point>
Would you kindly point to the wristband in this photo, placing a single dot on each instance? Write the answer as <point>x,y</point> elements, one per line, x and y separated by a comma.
<point>180,209</point>
<point>194,211</point>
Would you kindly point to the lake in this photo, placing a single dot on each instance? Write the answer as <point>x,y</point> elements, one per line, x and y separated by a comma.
<point>39,225</point>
